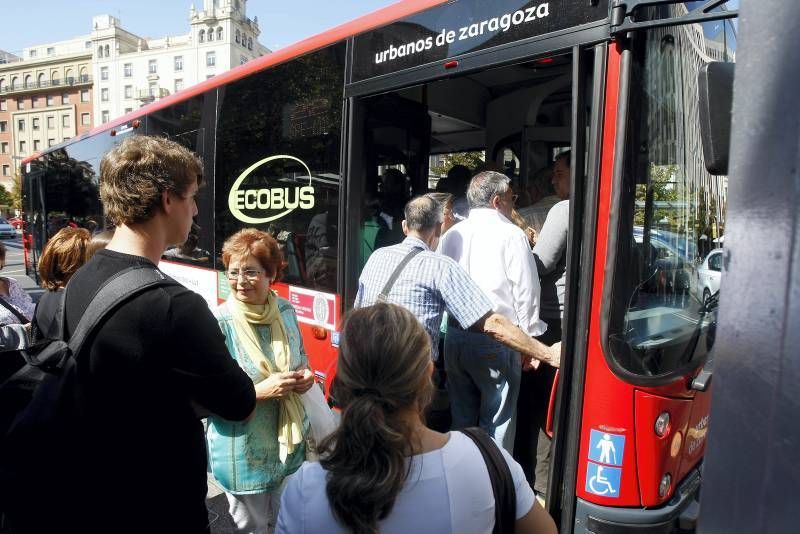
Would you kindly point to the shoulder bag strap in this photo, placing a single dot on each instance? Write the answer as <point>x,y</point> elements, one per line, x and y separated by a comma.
<point>7,305</point>
<point>383,296</point>
<point>119,288</point>
<point>505,494</point>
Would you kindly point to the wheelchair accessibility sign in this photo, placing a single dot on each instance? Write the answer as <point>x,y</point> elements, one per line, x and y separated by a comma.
<point>603,480</point>
<point>606,448</point>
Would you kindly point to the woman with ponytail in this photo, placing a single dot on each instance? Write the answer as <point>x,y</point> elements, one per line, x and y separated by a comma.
<point>251,458</point>
<point>383,470</point>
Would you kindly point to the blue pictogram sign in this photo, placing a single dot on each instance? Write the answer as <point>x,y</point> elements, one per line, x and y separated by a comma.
<point>606,448</point>
<point>603,480</point>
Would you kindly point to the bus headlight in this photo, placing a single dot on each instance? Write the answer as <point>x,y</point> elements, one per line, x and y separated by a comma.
<point>663,487</point>
<point>662,424</point>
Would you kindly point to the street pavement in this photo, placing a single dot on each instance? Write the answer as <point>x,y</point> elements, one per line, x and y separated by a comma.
<point>219,519</point>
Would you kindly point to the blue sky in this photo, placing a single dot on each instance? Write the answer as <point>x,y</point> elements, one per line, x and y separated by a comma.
<point>32,22</point>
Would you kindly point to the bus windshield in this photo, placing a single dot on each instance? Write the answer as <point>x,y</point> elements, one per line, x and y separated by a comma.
<point>672,219</point>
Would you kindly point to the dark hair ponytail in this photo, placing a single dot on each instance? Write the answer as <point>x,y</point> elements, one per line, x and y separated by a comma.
<point>383,371</point>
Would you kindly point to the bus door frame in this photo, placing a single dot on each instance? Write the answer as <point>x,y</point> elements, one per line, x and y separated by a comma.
<point>580,250</point>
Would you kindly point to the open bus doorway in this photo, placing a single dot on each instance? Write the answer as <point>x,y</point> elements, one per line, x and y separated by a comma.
<point>516,117</point>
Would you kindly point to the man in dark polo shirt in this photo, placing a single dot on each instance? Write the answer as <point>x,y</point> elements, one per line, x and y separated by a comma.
<point>157,363</point>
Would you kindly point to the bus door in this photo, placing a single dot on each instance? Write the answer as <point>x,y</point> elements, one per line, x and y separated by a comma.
<point>387,165</point>
<point>638,428</point>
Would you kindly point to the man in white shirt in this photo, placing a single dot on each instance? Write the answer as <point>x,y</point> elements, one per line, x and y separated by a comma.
<point>483,375</point>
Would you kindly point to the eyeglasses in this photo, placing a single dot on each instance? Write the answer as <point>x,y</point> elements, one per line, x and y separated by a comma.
<point>250,274</point>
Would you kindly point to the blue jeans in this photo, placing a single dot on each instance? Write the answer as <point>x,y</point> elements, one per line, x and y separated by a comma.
<point>483,382</point>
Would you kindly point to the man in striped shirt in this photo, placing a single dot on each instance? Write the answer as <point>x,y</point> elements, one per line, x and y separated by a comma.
<point>431,284</point>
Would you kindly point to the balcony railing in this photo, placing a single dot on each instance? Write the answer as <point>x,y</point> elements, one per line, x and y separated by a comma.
<point>48,84</point>
<point>147,95</point>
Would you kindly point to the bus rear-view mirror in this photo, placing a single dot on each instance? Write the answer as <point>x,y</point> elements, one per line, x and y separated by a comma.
<point>715,88</point>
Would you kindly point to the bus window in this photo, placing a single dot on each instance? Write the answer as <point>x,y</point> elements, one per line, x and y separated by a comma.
<point>185,123</point>
<point>277,162</point>
<point>672,212</point>
<point>69,189</point>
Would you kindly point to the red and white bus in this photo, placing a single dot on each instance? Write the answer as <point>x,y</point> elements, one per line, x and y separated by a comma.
<point>293,143</point>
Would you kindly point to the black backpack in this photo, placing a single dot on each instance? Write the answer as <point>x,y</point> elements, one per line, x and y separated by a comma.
<point>39,400</point>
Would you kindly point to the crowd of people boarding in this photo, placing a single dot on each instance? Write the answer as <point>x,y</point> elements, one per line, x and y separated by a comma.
<point>160,363</point>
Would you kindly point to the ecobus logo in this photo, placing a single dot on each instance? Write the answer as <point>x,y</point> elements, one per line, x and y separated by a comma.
<point>286,198</point>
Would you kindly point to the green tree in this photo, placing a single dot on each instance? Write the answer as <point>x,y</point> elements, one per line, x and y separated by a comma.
<point>16,193</point>
<point>469,159</point>
<point>6,198</point>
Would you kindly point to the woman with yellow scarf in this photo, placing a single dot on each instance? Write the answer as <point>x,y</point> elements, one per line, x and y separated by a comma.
<point>250,459</point>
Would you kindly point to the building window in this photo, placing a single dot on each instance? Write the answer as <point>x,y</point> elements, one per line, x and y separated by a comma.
<point>23,147</point>
<point>211,59</point>
<point>210,34</point>
<point>153,89</point>
<point>35,123</point>
<point>32,53</point>
<point>201,36</point>
<point>65,121</point>
<point>128,110</point>
<point>242,60</point>
<point>51,51</point>
<point>178,84</point>
<point>152,66</point>
<point>87,44</point>
<point>219,33</point>
<point>238,36</point>
<point>105,116</point>
<point>86,119</point>
<point>84,95</point>
<point>106,51</point>
<point>6,170</point>
<point>104,94</point>
<point>51,100</point>
<point>20,103</point>
<point>37,145</point>
<point>33,101</point>
<point>50,142</point>
<point>128,91</point>
<point>51,122</point>
<point>65,98</point>
<point>103,73</point>
<point>178,63</point>
<point>20,125</point>
<point>127,70</point>
<point>4,148</point>
<point>3,126</point>
<point>3,105</point>
<point>249,43</point>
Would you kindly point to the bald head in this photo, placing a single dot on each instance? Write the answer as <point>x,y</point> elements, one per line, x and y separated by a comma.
<point>423,214</point>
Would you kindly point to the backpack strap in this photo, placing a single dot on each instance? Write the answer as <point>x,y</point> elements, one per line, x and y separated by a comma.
<point>7,305</point>
<point>383,296</point>
<point>117,289</point>
<point>505,494</point>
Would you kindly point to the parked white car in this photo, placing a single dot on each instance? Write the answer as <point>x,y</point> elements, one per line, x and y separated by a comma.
<point>6,230</point>
<point>708,274</point>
